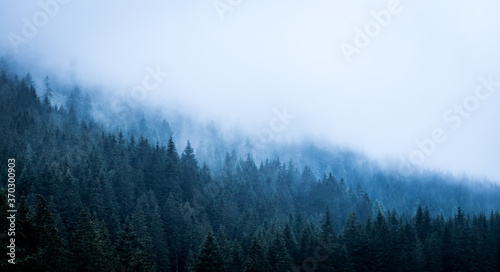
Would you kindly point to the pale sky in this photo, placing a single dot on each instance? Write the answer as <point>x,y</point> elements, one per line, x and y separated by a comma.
<point>235,63</point>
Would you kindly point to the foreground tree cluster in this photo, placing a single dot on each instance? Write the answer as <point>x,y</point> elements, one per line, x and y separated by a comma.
<point>90,200</point>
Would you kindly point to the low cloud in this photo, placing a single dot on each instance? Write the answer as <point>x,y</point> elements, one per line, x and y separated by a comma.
<point>265,56</point>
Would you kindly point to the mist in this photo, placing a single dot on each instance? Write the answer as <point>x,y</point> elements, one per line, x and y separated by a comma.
<point>411,80</point>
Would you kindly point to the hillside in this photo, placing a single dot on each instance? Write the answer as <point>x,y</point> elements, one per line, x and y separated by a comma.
<point>94,198</point>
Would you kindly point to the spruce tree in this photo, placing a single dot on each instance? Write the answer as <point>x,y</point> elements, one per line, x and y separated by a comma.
<point>210,258</point>
<point>189,173</point>
<point>380,236</point>
<point>278,255</point>
<point>131,252</point>
<point>52,252</point>
<point>307,243</point>
<point>87,253</point>
<point>463,245</point>
<point>256,260</point>
<point>356,241</point>
<point>108,248</point>
<point>290,242</point>
<point>422,223</point>
<point>327,231</point>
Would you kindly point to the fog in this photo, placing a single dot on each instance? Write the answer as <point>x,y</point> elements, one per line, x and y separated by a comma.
<point>395,79</point>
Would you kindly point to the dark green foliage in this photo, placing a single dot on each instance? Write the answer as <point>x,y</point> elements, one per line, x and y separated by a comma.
<point>87,251</point>
<point>357,243</point>
<point>108,249</point>
<point>464,254</point>
<point>290,241</point>
<point>423,223</point>
<point>131,251</point>
<point>278,255</point>
<point>159,238</point>
<point>327,232</point>
<point>210,258</point>
<point>53,253</point>
<point>38,244</point>
<point>380,246</point>
<point>256,260</point>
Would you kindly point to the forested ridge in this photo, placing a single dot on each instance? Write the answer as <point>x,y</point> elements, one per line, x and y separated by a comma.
<point>95,200</point>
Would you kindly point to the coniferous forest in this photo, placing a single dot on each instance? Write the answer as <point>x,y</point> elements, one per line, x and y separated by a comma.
<point>92,199</point>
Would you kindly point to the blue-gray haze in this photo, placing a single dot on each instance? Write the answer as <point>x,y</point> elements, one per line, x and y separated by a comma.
<point>385,78</point>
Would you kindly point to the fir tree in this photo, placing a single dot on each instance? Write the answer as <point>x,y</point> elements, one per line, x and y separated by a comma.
<point>278,255</point>
<point>87,253</point>
<point>131,252</point>
<point>256,260</point>
<point>210,258</point>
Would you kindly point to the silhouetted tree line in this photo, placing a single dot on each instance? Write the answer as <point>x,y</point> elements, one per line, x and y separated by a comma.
<point>90,200</point>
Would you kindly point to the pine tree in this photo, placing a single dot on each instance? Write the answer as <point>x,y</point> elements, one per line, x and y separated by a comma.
<point>188,157</point>
<point>290,241</point>
<point>307,243</point>
<point>256,260</point>
<point>96,203</point>
<point>446,248</point>
<point>380,236</point>
<point>408,247</point>
<point>74,105</point>
<point>278,255</point>
<point>327,231</point>
<point>87,252</point>
<point>159,239</point>
<point>48,91</point>
<point>433,254</point>
<point>171,181</point>
<point>131,252</point>
<point>53,253</point>
<point>224,245</point>
<point>67,188</point>
<point>422,223</point>
<point>108,248</point>
<point>143,233</point>
<point>189,173</point>
<point>298,223</point>
<point>190,262</point>
<point>462,244</point>
<point>236,259</point>
<point>328,242</point>
<point>210,258</point>
<point>356,242</point>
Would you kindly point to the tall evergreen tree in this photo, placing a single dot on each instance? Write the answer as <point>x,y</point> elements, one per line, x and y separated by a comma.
<point>53,252</point>
<point>143,232</point>
<point>380,236</point>
<point>87,252</point>
<point>210,258</point>
<point>356,242</point>
<point>131,252</point>
<point>422,223</point>
<point>47,97</point>
<point>278,255</point>
<point>290,241</point>
<point>256,260</point>
<point>108,249</point>
<point>463,257</point>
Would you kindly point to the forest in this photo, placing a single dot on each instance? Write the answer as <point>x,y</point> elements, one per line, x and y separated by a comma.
<point>94,199</point>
